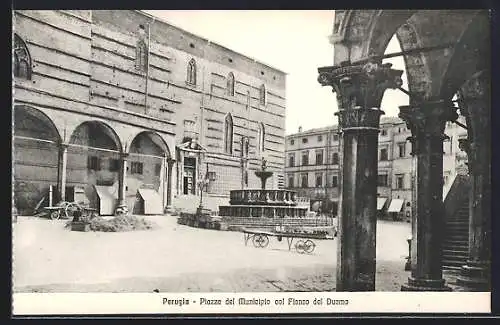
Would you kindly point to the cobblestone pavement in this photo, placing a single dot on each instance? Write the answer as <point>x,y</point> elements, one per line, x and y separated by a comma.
<point>174,258</point>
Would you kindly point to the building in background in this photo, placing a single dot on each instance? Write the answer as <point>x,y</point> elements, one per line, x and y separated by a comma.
<point>313,159</point>
<point>125,111</point>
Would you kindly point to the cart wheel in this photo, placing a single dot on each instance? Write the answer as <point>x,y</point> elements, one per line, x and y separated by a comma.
<point>300,247</point>
<point>54,215</point>
<point>260,241</point>
<point>309,246</point>
<point>70,209</point>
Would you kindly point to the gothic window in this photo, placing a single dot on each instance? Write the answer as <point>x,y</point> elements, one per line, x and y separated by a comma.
<point>22,59</point>
<point>191,72</point>
<point>230,84</point>
<point>262,95</point>
<point>262,137</point>
<point>228,134</point>
<point>141,56</point>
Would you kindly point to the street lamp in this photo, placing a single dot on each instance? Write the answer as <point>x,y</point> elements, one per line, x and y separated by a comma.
<point>203,185</point>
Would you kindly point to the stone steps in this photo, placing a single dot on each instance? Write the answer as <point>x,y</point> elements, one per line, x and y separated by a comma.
<point>456,238</point>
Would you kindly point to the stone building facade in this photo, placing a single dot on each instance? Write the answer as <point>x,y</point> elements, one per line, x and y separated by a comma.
<point>128,108</point>
<point>313,158</point>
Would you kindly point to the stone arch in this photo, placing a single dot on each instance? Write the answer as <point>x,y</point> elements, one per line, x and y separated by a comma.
<point>384,25</point>
<point>25,114</point>
<point>360,34</point>
<point>471,54</point>
<point>96,126</point>
<point>416,66</point>
<point>154,137</point>
<point>93,160</point>
<point>35,157</point>
<point>357,34</point>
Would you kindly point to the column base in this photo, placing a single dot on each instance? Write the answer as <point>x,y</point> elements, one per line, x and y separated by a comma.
<point>425,285</point>
<point>408,264</point>
<point>475,276</point>
<point>121,210</point>
<point>169,209</point>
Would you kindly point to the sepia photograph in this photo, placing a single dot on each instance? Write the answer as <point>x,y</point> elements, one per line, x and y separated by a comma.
<point>251,151</point>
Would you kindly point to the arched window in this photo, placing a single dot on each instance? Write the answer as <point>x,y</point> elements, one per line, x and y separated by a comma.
<point>141,56</point>
<point>230,84</point>
<point>228,134</point>
<point>262,95</point>
<point>262,137</point>
<point>191,72</point>
<point>22,59</point>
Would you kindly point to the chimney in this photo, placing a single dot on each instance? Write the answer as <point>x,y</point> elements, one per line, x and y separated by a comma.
<point>300,129</point>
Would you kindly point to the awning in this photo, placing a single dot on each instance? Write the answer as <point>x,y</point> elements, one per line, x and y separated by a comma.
<point>381,202</point>
<point>396,205</point>
<point>152,201</point>
<point>107,199</point>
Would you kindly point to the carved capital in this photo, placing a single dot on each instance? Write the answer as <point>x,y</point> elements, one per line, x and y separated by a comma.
<point>427,121</point>
<point>170,161</point>
<point>360,85</point>
<point>472,149</point>
<point>63,146</point>
<point>359,118</point>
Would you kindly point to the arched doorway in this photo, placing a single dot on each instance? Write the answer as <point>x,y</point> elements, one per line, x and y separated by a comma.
<point>149,174</point>
<point>93,166</point>
<point>35,158</point>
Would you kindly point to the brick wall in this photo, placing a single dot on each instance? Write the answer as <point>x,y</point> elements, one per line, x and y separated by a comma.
<point>84,62</point>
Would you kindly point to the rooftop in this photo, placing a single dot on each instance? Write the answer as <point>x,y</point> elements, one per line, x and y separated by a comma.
<point>383,121</point>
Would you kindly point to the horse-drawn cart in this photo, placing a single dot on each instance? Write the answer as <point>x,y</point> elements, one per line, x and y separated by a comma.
<point>304,244</point>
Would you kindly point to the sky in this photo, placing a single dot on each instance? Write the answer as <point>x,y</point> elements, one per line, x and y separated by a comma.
<point>294,41</point>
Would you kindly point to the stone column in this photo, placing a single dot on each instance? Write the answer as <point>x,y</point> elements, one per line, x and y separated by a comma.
<point>476,274</point>
<point>121,207</point>
<point>170,166</point>
<point>427,123</point>
<point>359,91</point>
<point>61,171</point>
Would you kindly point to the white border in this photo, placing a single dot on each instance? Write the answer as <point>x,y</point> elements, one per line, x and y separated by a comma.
<point>157,303</point>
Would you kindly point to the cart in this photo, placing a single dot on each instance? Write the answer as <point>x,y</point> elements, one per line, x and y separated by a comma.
<point>66,210</point>
<point>304,244</point>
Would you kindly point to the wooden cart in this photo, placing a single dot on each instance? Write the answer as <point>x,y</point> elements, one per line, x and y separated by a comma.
<point>304,244</point>
<point>66,210</point>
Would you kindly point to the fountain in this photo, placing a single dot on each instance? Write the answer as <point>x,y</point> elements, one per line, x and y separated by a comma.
<point>263,208</point>
<point>263,174</point>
